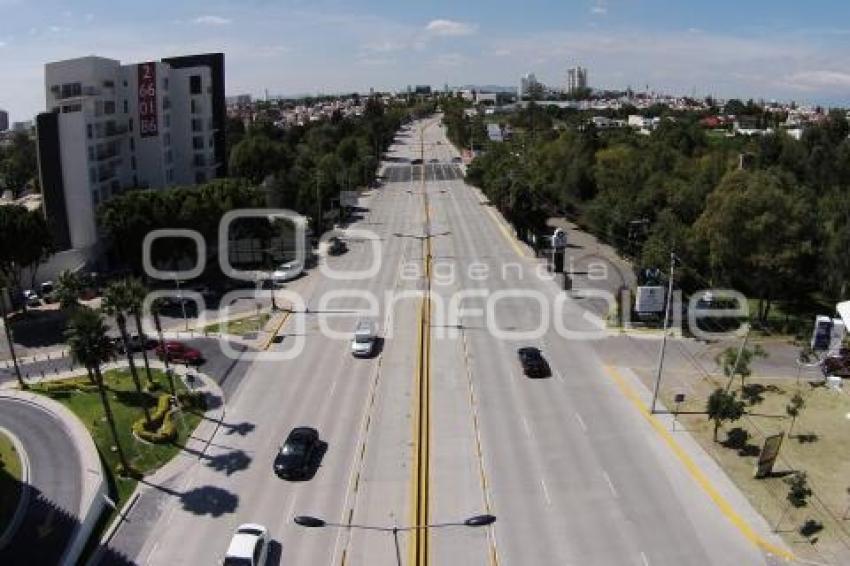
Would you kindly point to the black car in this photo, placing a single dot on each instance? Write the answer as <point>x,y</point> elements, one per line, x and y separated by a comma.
<point>337,247</point>
<point>295,458</point>
<point>416,161</point>
<point>137,343</point>
<point>533,362</point>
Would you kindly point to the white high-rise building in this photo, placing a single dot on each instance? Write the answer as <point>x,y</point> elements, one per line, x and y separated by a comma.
<point>111,127</point>
<point>576,79</point>
<point>527,83</point>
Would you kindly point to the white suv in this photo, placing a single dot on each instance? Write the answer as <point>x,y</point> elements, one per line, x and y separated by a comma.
<point>248,547</point>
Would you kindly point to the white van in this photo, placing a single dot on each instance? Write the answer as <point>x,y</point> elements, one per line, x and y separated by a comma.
<point>363,343</point>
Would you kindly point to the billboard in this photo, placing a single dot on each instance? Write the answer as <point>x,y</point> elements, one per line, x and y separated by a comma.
<point>769,453</point>
<point>650,299</point>
<point>148,123</point>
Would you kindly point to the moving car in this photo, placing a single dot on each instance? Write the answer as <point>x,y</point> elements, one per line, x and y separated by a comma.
<point>363,343</point>
<point>837,363</point>
<point>287,271</point>
<point>295,457</point>
<point>533,363</point>
<point>179,352</point>
<point>336,246</point>
<point>31,298</point>
<point>248,547</point>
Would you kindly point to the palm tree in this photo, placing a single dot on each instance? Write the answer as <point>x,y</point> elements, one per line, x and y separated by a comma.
<point>118,299</point>
<point>90,347</point>
<point>156,305</point>
<point>68,287</point>
<point>138,292</point>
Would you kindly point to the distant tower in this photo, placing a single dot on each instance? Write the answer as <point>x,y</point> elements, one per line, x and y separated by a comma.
<point>576,79</point>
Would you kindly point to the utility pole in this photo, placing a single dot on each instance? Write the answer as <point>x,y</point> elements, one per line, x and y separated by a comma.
<point>664,335</point>
<point>318,206</point>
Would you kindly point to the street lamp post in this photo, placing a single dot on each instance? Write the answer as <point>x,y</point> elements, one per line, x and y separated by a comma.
<point>182,303</point>
<point>315,522</point>
<point>664,335</point>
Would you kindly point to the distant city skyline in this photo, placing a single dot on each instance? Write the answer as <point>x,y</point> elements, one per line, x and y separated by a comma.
<point>778,50</point>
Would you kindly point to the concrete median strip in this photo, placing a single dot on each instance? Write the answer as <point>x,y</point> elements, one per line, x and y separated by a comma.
<point>701,479</point>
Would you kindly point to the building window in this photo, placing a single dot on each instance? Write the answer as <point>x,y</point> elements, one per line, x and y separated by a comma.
<point>131,124</point>
<point>133,162</point>
<point>70,90</point>
<point>195,84</point>
<point>95,197</point>
<point>109,107</point>
<point>197,143</point>
<point>126,107</point>
<point>91,153</point>
<point>92,175</point>
<point>212,142</point>
<point>132,144</point>
<point>169,175</point>
<point>197,125</point>
<point>135,181</point>
<point>169,157</point>
<point>72,108</point>
<point>125,84</point>
<point>167,120</point>
<point>199,160</point>
<point>89,131</point>
<point>108,84</point>
<point>166,139</point>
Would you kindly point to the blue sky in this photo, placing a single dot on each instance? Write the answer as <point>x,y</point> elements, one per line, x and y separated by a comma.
<point>778,49</point>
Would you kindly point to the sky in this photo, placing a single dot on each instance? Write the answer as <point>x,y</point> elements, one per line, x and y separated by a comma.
<point>778,49</point>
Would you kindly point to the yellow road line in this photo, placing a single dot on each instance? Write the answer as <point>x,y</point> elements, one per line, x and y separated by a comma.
<point>510,237</point>
<point>283,320</point>
<point>695,472</point>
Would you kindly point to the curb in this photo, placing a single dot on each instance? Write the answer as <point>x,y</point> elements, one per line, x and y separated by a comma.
<point>94,478</point>
<point>23,500</point>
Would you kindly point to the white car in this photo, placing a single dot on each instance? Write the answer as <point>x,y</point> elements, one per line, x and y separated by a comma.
<point>364,339</point>
<point>248,547</point>
<point>287,271</point>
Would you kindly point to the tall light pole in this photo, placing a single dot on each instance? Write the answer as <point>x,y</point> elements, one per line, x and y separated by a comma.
<point>664,335</point>
<point>315,522</point>
<point>182,303</point>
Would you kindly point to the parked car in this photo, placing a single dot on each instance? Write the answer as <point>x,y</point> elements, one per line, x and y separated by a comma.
<point>137,343</point>
<point>31,298</point>
<point>287,271</point>
<point>179,352</point>
<point>457,160</point>
<point>838,363</point>
<point>336,246</point>
<point>296,455</point>
<point>533,363</point>
<point>416,161</point>
<point>248,547</point>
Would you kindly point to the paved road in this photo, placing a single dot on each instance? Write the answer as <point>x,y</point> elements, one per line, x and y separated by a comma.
<point>571,469</point>
<point>55,485</point>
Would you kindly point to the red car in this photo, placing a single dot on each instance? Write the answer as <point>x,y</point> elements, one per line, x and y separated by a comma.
<point>179,352</point>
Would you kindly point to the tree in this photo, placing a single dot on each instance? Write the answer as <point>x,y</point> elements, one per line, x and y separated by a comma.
<point>137,292</point>
<point>794,408</point>
<point>256,157</point>
<point>798,493</point>
<point>118,299</point>
<point>67,290</point>
<point>26,242</point>
<point>759,232</point>
<point>7,329</point>
<point>736,361</point>
<point>18,163</point>
<point>90,347</point>
<point>723,406</point>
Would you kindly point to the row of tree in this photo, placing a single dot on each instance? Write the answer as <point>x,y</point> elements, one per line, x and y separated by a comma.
<point>777,228</point>
<point>18,164</point>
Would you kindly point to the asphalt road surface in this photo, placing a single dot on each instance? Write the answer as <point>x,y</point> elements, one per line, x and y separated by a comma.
<point>572,471</point>
<point>55,481</point>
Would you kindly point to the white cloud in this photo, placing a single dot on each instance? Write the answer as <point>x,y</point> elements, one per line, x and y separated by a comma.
<point>599,10</point>
<point>211,20</point>
<point>2,44</point>
<point>450,28</point>
<point>819,80</point>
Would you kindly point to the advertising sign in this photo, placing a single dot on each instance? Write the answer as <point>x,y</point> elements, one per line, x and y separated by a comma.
<point>650,299</point>
<point>148,123</point>
<point>769,453</point>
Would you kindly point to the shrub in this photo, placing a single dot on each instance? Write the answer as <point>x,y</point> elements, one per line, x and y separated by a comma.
<point>163,426</point>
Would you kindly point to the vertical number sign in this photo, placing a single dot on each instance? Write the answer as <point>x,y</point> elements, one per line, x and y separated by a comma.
<point>148,124</point>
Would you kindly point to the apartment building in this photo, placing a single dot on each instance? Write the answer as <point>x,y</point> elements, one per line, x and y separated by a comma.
<point>4,120</point>
<point>576,79</point>
<point>111,127</point>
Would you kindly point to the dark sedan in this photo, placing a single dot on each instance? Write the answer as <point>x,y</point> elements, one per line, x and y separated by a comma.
<point>533,363</point>
<point>296,457</point>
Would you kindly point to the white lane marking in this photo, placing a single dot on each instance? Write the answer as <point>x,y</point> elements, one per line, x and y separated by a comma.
<point>644,558</point>
<point>610,484</point>
<point>333,388</point>
<point>596,321</point>
<point>525,424</point>
<point>545,491</point>
<point>581,422</point>
<point>561,377</point>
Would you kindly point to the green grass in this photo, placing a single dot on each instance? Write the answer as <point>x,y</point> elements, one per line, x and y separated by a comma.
<point>10,480</point>
<point>239,327</point>
<point>819,446</point>
<point>127,406</point>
